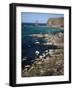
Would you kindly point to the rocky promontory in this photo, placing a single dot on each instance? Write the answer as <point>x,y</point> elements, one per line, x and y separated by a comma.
<point>56,22</point>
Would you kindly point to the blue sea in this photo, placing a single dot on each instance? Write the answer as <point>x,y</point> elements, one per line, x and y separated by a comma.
<point>28,46</point>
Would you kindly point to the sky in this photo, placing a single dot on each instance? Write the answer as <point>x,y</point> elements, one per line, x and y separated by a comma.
<point>28,17</point>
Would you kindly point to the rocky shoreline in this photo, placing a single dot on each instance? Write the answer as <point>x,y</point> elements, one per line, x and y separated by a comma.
<point>51,62</point>
<point>57,39</point>
<point>51,65</point>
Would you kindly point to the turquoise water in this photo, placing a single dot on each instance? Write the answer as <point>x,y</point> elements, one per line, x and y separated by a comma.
<point>28,30</point>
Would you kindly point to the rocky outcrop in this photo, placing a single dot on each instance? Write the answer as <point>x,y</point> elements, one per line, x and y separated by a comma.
<point>56,22</point>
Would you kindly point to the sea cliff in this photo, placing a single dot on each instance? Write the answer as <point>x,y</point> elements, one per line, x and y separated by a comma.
<point>56,22</point>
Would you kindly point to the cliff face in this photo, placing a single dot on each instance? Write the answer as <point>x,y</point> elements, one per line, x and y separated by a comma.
<point>55,22</point>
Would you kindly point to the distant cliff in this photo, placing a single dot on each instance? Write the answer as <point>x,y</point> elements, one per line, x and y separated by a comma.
<point>56,22</point>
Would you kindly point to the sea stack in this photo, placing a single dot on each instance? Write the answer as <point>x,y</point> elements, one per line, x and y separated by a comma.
<point>36,23</point>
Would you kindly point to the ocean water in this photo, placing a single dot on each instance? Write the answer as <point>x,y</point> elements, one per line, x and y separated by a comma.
<point>28,46</point>
<point>28,30</point>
